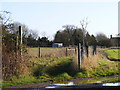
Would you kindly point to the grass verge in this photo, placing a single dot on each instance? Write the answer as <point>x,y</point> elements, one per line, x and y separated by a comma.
<point>51,69</point>
<point>43,70</point>
<point>112,53</point>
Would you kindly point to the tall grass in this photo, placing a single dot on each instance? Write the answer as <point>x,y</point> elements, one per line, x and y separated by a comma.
<point>89,62</point>
<point>13,64</point>
<point>97,65</point>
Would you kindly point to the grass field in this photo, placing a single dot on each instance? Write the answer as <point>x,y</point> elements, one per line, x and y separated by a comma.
<point>112,53</point>
<point>49,69</point>
<point>50,52</point>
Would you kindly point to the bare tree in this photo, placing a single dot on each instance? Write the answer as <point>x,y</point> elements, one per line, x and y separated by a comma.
<point>5,17</point>
<point>24,28</point>
<point>84,24</point>
<point>34,34</point>
<point>69,27</point>
<point>43,34</point>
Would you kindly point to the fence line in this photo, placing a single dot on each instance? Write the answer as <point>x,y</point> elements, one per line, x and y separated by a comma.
<point>60,52</point>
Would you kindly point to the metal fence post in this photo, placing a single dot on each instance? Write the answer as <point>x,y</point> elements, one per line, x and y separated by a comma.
<point>20,34</point>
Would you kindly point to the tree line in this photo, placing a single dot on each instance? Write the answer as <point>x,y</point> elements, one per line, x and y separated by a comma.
<point>73,36</point>
<point>70,35</point>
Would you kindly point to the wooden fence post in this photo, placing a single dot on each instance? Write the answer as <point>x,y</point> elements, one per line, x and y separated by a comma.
<point>94,49</point>
<point>17,46</point>
<point>79,56</point>
<point>75,50</point>
<point>39,54</point>
<point>1,56</point>
<point>66,52</point>
<point>87,52</point>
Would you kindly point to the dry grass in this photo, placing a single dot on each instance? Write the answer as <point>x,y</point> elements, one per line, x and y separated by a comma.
<point>51,52</point>
<point>13,64</point>
<point>89,62</point>
<point>75,63</point>
<point>86,62</point>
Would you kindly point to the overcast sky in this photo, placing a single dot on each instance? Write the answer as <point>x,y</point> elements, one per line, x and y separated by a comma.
<point>49,17</point>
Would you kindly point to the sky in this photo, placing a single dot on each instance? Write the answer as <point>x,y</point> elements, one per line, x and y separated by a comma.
<point>49,17</point>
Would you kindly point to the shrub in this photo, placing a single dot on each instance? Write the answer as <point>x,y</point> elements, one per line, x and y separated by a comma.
<point>63,76</point>
<point>80,74</point>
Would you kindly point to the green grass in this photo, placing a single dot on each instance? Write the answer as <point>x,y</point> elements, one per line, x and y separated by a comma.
<point>112,53</point>
<point>47,69</point>
<point>49,65</point>
<point>19,80</point>
<point>44,70</point>
<point>92,80</point>
<point>106,67</point>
